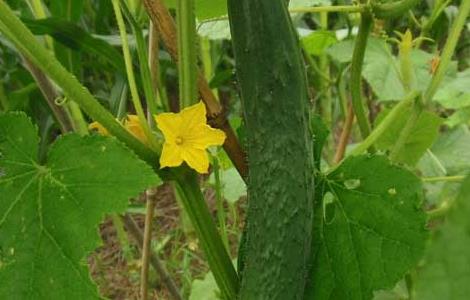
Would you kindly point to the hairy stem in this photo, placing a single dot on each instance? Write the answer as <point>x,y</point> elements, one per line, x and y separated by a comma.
<point>50,95</point>
<point>186,21</point>
<point>389,120</point>
<point>217,256</point>
<point>356,74</point>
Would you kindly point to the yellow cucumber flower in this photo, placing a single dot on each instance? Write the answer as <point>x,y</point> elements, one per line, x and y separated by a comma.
<point>132,124</point>
<point>98,128</point>
<point>187,136</point>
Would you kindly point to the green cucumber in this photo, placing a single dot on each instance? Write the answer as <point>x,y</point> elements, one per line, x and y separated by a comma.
<point>273,86</point>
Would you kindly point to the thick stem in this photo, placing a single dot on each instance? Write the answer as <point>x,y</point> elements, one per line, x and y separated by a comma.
<point>50,95</point>
<point>356,74</point>
<point>187,52</point>
<point>216,254</point>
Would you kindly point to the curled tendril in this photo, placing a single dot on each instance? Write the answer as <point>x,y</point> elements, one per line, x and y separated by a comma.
<point>59,101</point>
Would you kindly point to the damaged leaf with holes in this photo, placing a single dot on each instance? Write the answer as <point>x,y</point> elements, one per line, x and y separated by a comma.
<point>50,211</point>
<point>370,229</point>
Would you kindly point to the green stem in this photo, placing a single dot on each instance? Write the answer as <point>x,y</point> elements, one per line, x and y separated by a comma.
<point>216,254</point>
<point>456,178</point>
<point>186,20</point>
<point>356,74</point>
<point>327,9</point>
<point>393,9</point>
<point>130,75</point>
<point>26,43</point>
<point>416,110</point>
<point>448,51</point>
<point>79,123</point>
<point>220,204</point>
<point>438,8</point>
<point>440,211</point>
<point>154,64</point>
<point>38,11</point>
<point>389,120</point>
<point>3,98</point>
<point>149,91</point>
<point>207,60</point>
<point>324,84</point>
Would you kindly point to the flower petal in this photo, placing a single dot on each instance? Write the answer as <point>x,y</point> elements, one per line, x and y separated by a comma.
<point>193,116</point>
<point>99,128</point>
<point>196,159</point>
<point>170,125</point>
<point>203,136</point>
<point>171,156</point>
<point>132,124</point>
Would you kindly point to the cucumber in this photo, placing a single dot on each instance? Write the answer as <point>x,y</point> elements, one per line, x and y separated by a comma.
<point>273,85</point>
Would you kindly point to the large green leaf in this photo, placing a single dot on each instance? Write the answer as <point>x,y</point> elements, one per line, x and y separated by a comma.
<point>422,137</point>
<point>446,270</point>
<point>369,230</point>
<point>49,213</point>
<point>381,68</point>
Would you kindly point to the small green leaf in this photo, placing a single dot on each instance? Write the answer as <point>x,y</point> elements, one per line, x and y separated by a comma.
<point>423,136</point>
<point>455,93</point>
<point>369,236</point>
<point>205,289</point>
<point>317,42</point>
<point>446,270</point>
<point>49,213</point>
<point>233,186</point>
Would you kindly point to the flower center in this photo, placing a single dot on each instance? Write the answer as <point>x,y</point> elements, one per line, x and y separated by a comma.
<point>179,140</point>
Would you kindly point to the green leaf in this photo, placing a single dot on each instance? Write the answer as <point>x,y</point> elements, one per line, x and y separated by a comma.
<point>446,270</point>
<point>381,68</point>
<point>317,42</point>
<point>205,289</point>
<point>233,186</point>
<point>50,212</point>
<point>320,135</point>
<point>452,149</point>
<point>369,230</point>
<point>455,93</point>
<point>423,135</point>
